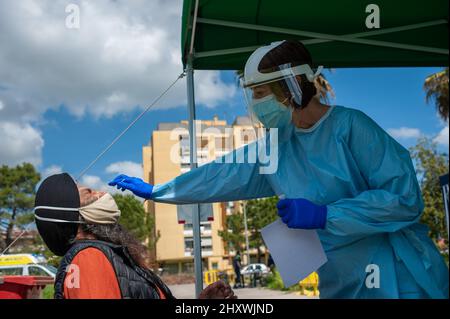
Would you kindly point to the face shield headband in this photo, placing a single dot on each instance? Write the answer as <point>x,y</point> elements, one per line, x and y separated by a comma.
<point>285,70</point>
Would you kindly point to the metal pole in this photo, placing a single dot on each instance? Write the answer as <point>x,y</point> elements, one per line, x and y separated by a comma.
<point>244,206</point>
<point>445,194</point>
<point>446,215</point>
<point>193,159</point>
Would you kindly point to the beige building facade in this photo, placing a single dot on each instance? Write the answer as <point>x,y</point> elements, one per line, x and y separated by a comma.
<point>166,157</point>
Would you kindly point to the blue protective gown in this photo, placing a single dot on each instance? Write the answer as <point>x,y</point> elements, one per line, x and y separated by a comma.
<point>367,180</point>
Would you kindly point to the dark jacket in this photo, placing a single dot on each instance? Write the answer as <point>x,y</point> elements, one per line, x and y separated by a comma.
<point>134,281</point>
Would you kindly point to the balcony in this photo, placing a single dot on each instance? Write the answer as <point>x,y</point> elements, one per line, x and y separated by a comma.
<point>205,253</point>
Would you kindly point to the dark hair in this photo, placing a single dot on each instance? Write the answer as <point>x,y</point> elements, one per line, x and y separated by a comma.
<point>117,234</point>
<point>295,53</point>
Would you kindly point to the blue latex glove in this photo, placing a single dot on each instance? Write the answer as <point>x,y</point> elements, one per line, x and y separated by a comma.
<point>134,184</point>
<point>301,213</point>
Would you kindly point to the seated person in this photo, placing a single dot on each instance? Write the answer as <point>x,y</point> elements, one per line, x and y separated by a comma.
<point>101,260</point>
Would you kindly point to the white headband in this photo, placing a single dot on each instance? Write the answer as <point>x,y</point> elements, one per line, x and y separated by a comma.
<point>70,209</point>
<point>102,211</point>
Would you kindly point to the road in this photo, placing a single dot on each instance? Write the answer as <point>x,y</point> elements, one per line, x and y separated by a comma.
<point>187,291</point>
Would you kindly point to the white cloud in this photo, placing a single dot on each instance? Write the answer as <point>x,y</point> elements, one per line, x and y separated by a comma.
<point>210,90</point>
<point>20,143</point>
<point>124,54</point>
<point>94,182</point>
<point>51,170</point>
<point>404,132</point>
<point>442,137</point>
<point>127,168</point>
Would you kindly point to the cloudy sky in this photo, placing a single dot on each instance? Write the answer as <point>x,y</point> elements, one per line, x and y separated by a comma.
<point>65,93</point>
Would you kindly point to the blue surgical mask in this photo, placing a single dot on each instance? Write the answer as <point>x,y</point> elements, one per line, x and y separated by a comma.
<point>272,113</point>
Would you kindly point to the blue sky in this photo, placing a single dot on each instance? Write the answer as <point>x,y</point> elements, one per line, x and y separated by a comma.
<point>393,97</point>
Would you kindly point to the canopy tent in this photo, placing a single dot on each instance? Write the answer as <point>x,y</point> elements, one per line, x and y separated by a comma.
<point>221,34</point>
<point>411,33</point>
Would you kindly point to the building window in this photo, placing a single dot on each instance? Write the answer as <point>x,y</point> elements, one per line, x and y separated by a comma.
<point>188,244</point>
<point>206,226</point>
<point>184,146</point>
<point>206,241</point>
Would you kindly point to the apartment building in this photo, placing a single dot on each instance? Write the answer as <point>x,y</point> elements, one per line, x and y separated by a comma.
<point>166,157</point>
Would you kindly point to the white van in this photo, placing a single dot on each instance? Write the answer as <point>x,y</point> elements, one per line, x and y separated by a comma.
<point>25,265</point>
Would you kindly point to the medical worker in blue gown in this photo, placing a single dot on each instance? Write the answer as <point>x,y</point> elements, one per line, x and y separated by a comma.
<point>338,172</point>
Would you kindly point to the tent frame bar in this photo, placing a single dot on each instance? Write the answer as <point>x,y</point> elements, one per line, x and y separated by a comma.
<point>198,265</point>
<point>354,38</point>
<point>206,54</point>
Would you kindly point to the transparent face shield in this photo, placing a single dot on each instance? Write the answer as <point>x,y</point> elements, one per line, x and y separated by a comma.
<point>264,102</point>
<point>271,97</point>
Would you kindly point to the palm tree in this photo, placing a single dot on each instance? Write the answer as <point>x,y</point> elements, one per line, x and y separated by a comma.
<point>436,88</point>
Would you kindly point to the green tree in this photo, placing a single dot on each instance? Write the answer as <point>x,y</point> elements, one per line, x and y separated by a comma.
<point>430,164</point>
<point>233,234</point>
<point>41,248</point>
<point>260,213</point>
<point>436,88</point>
<point>134,218</point>
<point>17,192</point>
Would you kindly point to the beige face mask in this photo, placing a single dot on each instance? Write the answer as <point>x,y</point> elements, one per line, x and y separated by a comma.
<point>103,211</point>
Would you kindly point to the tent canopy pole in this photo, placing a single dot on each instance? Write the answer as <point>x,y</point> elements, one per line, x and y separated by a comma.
<point>198,266</point>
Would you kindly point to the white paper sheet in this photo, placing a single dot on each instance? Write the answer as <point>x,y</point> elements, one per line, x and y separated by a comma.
<point>296,252</point>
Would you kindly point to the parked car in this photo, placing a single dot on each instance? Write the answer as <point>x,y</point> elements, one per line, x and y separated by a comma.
<point>260,269</point>
<point>25,265</point>
<point>254,274</point>
<point>21,259</point>
<point>28,270</point>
